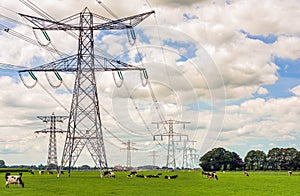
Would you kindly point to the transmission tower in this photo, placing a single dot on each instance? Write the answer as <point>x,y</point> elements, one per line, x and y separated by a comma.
<point>128,149</point>
<point>52,154</point>
<point>84,126</point>
<point>185,163</point>
<point>194,158</point>
<point>171,134</point>
<point>154,155</point>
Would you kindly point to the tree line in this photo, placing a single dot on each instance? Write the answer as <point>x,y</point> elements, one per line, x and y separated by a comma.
<point>276,159</point>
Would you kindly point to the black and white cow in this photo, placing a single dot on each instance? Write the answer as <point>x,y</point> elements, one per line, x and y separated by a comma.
<point>171,177</point>
<point>109,174</point>
<point>210,175</point>
<point>13,180</point>
<point>213,175</point>
<point>151,176</point>
<point>132,173</point>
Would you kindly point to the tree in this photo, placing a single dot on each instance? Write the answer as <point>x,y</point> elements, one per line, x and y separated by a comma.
<point>288,157</point>
<point>282,158</point>
<point>2,163</point>
<point>272,158</point>
<point>220,159</point>
<point>255,160</point>
<point>237,162</point>
<point>297,161</point>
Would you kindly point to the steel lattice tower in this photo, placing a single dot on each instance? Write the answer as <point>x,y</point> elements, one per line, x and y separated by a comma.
<point>128,149</point>
<point>171,162</point>
<point>84,126</point>
<point>52,153</point>
<point>185,154</point>
<point>154,155</point>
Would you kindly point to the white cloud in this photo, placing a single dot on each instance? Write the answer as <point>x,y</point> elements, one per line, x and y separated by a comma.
<point>296,90</point>
<point>262,91</point>
<point>257,146</point>
<point>271,120</point>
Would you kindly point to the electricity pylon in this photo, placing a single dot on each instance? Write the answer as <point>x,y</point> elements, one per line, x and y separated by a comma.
<point>185,154</point>
<point>171,162</point>
<point>194,158</point>
<point>128,149</point>
<point>154,155</point>
<point>52,150</point>
<point>84,126</point>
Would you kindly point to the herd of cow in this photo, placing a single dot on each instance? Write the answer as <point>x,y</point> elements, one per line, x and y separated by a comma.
<point>11,179</point>
<point>134,173</point>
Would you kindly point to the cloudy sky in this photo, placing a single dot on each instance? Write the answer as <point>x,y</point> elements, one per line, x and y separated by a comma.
<point>228,67</point>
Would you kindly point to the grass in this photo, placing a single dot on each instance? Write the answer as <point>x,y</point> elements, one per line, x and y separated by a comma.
<point>188,183</point>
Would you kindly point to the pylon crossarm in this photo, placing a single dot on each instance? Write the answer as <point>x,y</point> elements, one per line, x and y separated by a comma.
<point>106,64</point>
<point>68,64</point>
<point>45,24</point>
<point>171,122</point>
<point>47,130</point>
<point>123,23</point>
<point>173,135</point>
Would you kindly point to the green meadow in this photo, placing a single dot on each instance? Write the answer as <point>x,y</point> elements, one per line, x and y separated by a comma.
<point>187,183</point>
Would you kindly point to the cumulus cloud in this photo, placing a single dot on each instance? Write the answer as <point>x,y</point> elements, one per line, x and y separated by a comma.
<point>271,120</point>
<point>262,91</point>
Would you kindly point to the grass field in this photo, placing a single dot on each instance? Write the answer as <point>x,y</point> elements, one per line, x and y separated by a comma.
<point>187,183</point>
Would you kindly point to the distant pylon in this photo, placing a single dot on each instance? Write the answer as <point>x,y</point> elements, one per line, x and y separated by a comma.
<point>128,149</point>
<point>52,149</point>
<point>154,155</point>
<point>171,162</point>
<point>185,163</point>
<point>194,158</point>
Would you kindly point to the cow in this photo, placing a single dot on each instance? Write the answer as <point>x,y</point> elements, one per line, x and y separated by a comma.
<point>132,173</point>
<point>212,175</point>
<point>290,173</point>
<point>13,180</point>
<point>246,173</point>
<point>171,177</point>
<point>50,172</point>
<point>105,173</point>
<point>31,172</point>
<point>140,176</point>
<point>205,174</point>
<point>41,172</point>
<point>109,174</point>
<point>151,176</point>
